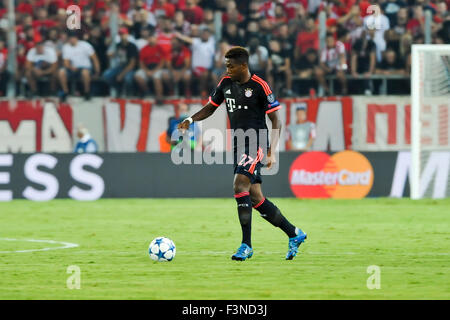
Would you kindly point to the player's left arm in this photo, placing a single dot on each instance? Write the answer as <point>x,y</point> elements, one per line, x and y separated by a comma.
<point>274,137</point>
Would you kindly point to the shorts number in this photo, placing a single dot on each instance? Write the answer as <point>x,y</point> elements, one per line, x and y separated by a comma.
<point>244,156</point>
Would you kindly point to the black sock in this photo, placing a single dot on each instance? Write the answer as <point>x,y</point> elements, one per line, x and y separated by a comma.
<point>271,213</point>
<point>245,216</point>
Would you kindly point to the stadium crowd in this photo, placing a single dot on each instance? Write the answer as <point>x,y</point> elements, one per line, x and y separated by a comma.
<point>164,47</point>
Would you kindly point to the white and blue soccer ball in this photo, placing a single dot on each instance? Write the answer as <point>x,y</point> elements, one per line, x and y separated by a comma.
<point>162,249</point>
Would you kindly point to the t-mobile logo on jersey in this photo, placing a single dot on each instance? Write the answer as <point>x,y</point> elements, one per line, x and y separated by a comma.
<point>231,105</point>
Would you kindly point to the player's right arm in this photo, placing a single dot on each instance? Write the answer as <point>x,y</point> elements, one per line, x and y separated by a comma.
<point>204,113</point>
<point>214,102</point>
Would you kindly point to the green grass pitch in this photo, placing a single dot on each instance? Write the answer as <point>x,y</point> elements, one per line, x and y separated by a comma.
<point>408,240</point>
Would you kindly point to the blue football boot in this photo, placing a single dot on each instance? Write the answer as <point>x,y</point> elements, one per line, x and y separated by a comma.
<point>294,243</point>
<point>244,252</point>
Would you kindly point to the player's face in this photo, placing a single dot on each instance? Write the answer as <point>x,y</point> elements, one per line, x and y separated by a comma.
<point>235,70</point>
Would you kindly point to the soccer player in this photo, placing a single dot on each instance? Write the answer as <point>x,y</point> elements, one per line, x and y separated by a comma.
<point>248,100</point>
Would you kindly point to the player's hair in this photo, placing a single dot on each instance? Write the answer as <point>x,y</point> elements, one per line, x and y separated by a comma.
<point>239,54</point>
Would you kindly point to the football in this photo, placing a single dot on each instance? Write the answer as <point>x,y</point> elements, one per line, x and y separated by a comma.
<point>162,249</point>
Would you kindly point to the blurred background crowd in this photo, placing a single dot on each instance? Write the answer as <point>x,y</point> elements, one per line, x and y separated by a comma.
<point>175,47</point>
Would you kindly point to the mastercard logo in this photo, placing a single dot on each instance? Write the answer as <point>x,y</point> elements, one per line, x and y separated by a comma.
<point>344,175</point>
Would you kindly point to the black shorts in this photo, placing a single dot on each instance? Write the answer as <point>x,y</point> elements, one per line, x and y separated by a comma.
<point>249,164</point>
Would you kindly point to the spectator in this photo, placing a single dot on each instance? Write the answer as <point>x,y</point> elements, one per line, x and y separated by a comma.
<point>258,57</point>
<point>152,63</point>
<point>219,61</point>
<point>305,65</point>
<point>100,45</point>
<point>308,38</point>
<point>297,22</point>
<point>254,13</point>
<point>124,61</point>
<point>351,19</point>
<point>444,32</point>
<point>379,32</point>
<point>391,64</point>
<point>392,39</point>
<point>80,60</point>
<point>180,67</point>
<point>3,72</point>
<point>52,40</point>
<point>442,19</point>
<point>286,40</point>
<point>139,17</point>
<point>363,59</point>
<point>231,15</point>
<point>280,17</point>
<point>29,38</point>
<point>232,36</point>
<point>85,143</point>
<point>181,25</point>
<point>265,32</point>
<point>142,41</point>
<point>401,21</point>
<point>165,35</point>
<point>333,61</point>
<point>301,135</point>
<point>279,67</point>
<point>405,51</point>
<point>42,21</point>
<point>59,41</point>
<point>208,19</point>
<point>192,12</point>
<point>356,31</point>
<point>252,30</point>
<point>41,62</point>
<point>173,134</point>
<point>353,22</point>
<point>391,9</point>
<point>203,50</point>
<point>416,24</point>
<point>163,8</point>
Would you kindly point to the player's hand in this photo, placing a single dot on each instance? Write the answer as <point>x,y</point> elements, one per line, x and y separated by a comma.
<point>183,125</point>
<point>271,159</point>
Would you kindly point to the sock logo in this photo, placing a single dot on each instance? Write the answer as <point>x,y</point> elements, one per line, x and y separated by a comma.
<point>243,205</point>
<point>344,175</point>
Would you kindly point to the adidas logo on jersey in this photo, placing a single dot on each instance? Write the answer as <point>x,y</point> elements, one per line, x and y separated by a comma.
<point>228,91</point>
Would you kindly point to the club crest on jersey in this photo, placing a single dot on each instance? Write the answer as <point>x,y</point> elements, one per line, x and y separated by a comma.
<point>248,92</point>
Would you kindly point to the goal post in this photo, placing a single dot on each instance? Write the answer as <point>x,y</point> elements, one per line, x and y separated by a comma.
<point>430,104</point>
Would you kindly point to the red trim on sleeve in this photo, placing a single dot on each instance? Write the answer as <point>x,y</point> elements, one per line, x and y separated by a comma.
<point>213,103</point>
<point>272,110</point>
<point>226,77</point>
<point>263,83</point>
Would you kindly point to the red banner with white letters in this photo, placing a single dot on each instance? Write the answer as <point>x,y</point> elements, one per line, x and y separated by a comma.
<point>35,126</point>
<point>138,125</point>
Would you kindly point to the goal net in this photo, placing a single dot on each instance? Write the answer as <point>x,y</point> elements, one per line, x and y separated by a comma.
<point>430,121</point>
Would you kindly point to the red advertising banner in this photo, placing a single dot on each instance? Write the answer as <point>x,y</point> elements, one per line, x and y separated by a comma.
<point>35,126</point>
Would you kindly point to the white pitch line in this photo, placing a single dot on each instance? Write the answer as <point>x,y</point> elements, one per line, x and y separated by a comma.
<point>316,253</point>
<point>66,245</point>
